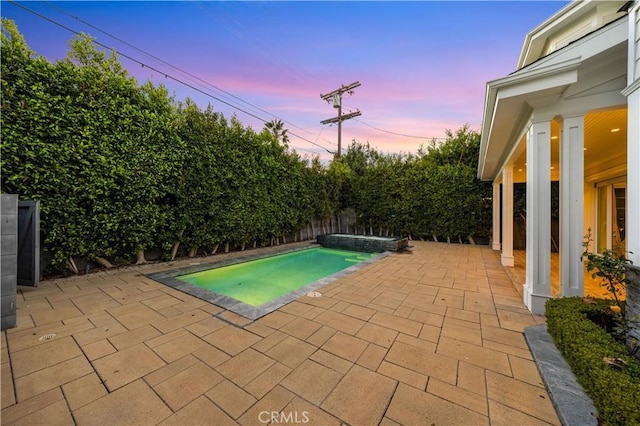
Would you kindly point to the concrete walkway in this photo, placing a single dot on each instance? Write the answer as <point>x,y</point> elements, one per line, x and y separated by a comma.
<point>432,336</point>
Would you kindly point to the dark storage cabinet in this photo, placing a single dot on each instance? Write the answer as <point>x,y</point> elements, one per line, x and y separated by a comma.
<point>9,258</point>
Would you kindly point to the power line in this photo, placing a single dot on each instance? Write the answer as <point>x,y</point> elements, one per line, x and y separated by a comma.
<point>395,133</point>
<point>399,134</point>
<point>167,75</point>
<point>170,65</point>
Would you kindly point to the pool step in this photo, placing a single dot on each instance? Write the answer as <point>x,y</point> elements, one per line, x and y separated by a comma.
<point>356,259</point>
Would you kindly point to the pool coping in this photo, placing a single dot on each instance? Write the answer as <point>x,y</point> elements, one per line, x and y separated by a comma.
<point>251,312</point>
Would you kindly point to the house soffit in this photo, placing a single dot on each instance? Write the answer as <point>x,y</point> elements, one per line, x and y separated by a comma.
<point>538,85</point>
<point>510,101</point>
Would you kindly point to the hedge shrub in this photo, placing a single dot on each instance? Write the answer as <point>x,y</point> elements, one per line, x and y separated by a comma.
<point>583,343</point>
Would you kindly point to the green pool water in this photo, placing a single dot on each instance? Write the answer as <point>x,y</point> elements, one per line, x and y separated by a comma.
<point>262,280</point>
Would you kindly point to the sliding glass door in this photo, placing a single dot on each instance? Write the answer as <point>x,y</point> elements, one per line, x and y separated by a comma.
<point>611,216</point>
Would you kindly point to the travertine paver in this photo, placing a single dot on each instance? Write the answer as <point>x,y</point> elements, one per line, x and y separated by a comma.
<point>273,402</point>
<point>332,361</point>
<point>245,367</point>
<point>291,351</point>
<point>501,415</point>
<point>84,390</point>
<point>379,335</point>
<point>417,359</point>
<point>404,375</point>
<point>134,403</point>
<point>43,356</point>
<point>529,399</point>
<point>312,381</point>
<point>433,336</point>
<point>125,366</point>
<point>345,346</point>
<point>133,337</point>
<point>483,357</point>
<point>400,324</point>
<point>199,412</point>
<point>7,396</point>
<point>368,392</point>
<point>411,406</point>
<point>51,377</point>
<point>98,349</point>
<point>302,412</point>
<point>301,328</point>
<point>338,321</point>
<point>457,395</point>
<point>187,385</point>
<point>231,398</point>
<point>267,380</point>
<point>179,347</point>
<point>372,356</point>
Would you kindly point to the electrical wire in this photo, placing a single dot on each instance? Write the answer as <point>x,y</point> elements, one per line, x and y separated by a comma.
<point>399,134</point>
<point>394,133</point>
<point>171,65</point>
<point>166,75</point>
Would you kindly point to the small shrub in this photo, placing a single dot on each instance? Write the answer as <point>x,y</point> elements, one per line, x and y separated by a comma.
<point>584,344</point>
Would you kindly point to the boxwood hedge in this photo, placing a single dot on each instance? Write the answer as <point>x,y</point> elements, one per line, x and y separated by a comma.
<point>579,330</point>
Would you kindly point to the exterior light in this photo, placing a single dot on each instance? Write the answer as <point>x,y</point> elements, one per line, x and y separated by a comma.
<point>617,129</point>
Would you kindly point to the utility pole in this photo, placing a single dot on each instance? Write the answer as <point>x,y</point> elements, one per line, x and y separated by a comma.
<point>336,98</point>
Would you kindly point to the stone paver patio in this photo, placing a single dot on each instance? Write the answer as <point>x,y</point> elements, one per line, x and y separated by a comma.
<point>428,336</point>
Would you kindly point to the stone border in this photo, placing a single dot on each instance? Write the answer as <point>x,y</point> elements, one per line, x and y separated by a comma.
<point>573,406</point>
<point>241,308</point>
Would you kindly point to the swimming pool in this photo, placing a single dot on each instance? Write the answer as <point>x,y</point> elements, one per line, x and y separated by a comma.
<point>253,286</point>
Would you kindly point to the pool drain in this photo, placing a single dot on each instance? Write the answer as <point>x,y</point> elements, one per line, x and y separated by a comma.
<point>314,294</point>
<point>47,336</point>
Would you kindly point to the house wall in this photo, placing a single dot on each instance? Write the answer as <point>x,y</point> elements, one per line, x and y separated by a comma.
<point>636,29</point>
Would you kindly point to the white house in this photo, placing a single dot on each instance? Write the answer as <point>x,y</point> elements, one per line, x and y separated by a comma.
<point>569,113</point>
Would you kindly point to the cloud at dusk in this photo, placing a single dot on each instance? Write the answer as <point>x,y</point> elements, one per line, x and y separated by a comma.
<point>423,65</point>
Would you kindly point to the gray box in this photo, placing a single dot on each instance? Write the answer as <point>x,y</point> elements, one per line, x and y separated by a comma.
<point>8,258</point>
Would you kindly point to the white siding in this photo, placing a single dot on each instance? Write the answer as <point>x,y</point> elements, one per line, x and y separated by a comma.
<point>637,42</point>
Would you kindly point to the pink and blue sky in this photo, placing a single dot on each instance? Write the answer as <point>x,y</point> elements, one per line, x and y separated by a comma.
<point>423,65</point>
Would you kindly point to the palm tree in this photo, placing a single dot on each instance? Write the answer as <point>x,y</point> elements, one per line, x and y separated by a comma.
<point>276,128</point>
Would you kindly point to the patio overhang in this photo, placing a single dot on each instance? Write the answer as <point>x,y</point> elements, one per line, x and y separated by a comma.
<point>587,74</point>
<point>509,104</point>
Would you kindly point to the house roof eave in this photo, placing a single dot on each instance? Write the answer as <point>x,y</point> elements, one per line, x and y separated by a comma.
<point>520,88</point>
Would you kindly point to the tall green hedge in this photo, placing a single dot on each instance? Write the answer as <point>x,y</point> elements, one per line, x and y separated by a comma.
<point>432,194</point>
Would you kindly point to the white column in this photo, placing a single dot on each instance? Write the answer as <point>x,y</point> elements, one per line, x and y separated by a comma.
<point>538,286</point>
<point>495,244</point>
<point>633,175</point>
<point>632,92</point>
<point>507,216</point>
<point>571,206</point>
